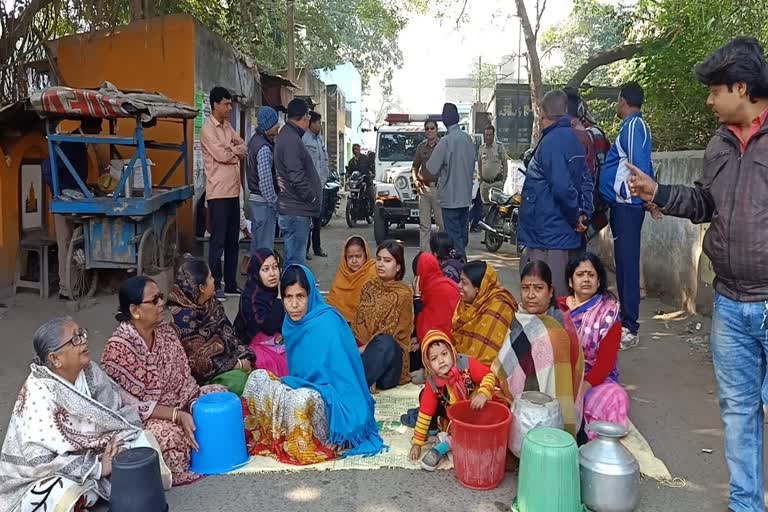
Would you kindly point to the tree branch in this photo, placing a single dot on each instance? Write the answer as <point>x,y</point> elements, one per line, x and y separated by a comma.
<point>461,14</point>
<point>604,58</point>
<point>539,15</point>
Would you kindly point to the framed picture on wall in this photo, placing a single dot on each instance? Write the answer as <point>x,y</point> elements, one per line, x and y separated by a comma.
<point>32,197</point>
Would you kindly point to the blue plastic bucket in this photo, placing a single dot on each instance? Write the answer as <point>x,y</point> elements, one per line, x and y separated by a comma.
<point>220,432</point>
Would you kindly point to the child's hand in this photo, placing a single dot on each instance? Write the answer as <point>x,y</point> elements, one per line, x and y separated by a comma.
<point>478,401</point>
<point>415,452</point>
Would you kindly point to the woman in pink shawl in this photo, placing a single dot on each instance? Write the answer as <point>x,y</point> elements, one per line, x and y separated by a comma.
<point>145,357</point>
<point>595,313</point>
<point>261,313</point>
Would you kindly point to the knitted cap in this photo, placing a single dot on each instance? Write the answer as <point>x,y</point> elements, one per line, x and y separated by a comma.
<point>266,118</point>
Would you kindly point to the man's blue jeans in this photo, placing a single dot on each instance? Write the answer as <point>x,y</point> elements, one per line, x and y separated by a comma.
<point>294,230</point>
<point>456,221</point>
<point>739,353</point>
<point>263,219</point>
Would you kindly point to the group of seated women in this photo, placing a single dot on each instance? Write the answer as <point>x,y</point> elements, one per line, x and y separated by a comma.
<point>305,369</point>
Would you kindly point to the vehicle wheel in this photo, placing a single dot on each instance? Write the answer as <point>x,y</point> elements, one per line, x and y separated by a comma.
<point>380,226</point>
<point>169,246</point>
<point>326,217</point>
<point>82,282</point>
<point>147,254</point>
<point>493,242</point>
<point>369,219</point>
<point>351,221</point>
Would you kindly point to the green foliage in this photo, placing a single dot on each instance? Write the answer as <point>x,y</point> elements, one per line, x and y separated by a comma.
<point>483,77</point>
<point>592,27</point>
<point>690,30</point>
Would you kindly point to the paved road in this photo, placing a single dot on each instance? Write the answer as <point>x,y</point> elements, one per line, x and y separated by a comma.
<point>669,378</point>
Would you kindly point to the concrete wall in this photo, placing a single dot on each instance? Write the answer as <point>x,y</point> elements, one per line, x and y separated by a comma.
<point>672,261</point>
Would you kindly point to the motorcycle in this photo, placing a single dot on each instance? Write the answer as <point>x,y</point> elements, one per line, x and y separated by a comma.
<point>331,199</point>
<point>500,224</point>
<point>360,201</point>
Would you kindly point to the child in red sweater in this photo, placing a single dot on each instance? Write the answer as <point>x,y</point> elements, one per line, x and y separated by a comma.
<point>451,378</point>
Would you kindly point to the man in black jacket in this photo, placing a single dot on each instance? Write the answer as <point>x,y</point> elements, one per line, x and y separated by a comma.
<point>299,183</point>
<point>731,194</point>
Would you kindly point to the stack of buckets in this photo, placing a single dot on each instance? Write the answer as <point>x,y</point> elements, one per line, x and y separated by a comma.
<point>479,442</point>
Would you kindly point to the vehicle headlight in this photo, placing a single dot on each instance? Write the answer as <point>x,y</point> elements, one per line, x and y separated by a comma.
<point>401,182</point>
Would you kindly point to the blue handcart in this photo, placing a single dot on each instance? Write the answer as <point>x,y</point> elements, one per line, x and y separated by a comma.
<point>127,228</point>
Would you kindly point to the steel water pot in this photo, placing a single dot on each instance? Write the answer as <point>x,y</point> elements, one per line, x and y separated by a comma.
<point>610,474</point>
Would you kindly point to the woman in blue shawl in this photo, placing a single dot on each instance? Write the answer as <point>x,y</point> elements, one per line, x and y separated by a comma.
<point>323,408</point>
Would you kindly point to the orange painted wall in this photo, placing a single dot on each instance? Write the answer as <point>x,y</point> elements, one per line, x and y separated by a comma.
<point>32,146</point>
<point>154,55</point>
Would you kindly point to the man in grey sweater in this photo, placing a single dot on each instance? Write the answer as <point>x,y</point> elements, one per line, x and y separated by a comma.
<point>316,147</point>
<point>453,164</point>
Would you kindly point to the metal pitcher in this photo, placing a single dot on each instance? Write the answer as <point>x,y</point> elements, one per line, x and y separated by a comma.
<point>610,474</point>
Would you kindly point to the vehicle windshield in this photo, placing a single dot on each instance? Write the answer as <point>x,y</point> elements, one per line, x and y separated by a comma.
<point>398,146</point>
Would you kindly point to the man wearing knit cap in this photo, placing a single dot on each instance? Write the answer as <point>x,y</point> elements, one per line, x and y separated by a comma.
<point>262,180</point>
<point>453,164</point>
<point>299,183</point>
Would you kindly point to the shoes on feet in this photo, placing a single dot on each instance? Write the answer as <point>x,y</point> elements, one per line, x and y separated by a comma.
<point>309,256</point>
<point>220,295</point>
<point>431,460</point>
<point>64,297</point>
<point>628,340</point>
<point>321,254</point>
<point>233,292</point>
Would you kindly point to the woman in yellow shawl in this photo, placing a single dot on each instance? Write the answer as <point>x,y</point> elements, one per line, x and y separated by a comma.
<point>482,318</point>
<point>356,268</point>
<point>384,321</point>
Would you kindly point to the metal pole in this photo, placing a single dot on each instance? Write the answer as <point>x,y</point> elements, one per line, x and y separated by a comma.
<point>519,47</point>
<point>479,78</point>
<point>291,42</point>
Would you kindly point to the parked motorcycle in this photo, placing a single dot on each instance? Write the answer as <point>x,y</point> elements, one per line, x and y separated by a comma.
<point>331,199</point>
<point>360,200</point>
<point>500,224</point>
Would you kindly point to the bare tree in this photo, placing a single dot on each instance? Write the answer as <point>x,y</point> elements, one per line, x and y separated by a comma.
<point>531,35</point>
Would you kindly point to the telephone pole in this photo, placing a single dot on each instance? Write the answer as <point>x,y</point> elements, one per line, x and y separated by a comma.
<point>480,79</point>
<point>291,41</point>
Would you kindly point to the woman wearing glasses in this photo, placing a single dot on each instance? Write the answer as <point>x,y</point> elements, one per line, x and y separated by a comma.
<point>145,357</point>
<point>69,421</point>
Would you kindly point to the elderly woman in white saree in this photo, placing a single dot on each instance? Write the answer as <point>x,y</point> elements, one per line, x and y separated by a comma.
<point>68,423</point>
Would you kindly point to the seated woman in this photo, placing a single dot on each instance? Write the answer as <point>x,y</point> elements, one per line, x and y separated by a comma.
<point>323,407</point>
<point>216,355</point>
<point>384,321</point>
<point>145,357</point>
<point>595,314</point>
<point>483,317</point>
<point>261,313</point>
<point>435,297</point>
<point>442,247</point>
<point>356,268</point>
<point>542,352</point>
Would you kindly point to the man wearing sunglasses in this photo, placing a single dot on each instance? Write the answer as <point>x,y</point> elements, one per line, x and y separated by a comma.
<point>429,204</point>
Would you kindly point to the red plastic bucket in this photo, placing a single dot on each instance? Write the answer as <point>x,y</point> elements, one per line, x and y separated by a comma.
<point>479,443</point>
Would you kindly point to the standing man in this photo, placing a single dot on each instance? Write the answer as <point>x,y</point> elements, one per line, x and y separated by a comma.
<point>731,194</point>
<point>491,165</point>
<point>262,180</point>
<point>429,200</point>
<point>453,163</point>
<point>77,154</point>
<point>316,147</point>
<point>223,149</point>
<point>632,146</point>
<point>557,193</point>
<point>299,183</point>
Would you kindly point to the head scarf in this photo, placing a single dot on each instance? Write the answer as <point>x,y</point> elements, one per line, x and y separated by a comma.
<point>256,300</point>
<point>204,330</point>
<point>544,349</point>
<point>439,296</point>
<point>322,355</point>
<point>480,328</point>
<point>454,378</point>
<point>347,285</point>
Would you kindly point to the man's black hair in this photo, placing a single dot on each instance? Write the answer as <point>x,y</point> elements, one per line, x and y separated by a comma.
<point>633,94</point>
<point>314,117</point>
<point>741,60</point>
<point>218,94</point>
<point>490,127</point>
<point>574,99</point>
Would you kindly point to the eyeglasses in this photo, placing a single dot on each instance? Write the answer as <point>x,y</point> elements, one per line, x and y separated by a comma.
<point>79,338</point>
<point>157,299</point>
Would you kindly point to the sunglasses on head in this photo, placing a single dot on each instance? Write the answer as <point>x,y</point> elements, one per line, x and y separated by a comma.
<point>157,299</point>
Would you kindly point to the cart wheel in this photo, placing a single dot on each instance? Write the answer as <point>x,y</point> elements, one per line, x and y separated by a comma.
<point>147,257</point>
<point>169,244</point>
<point>82,282</point>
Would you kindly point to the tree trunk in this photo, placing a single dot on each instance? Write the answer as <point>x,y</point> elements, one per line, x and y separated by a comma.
<point>534,67</point>
<point>603,59</point>
<point>17,27</point>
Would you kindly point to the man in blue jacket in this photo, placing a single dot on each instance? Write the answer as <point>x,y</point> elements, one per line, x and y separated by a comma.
<point>557,194</point>
<point>632,146</point>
